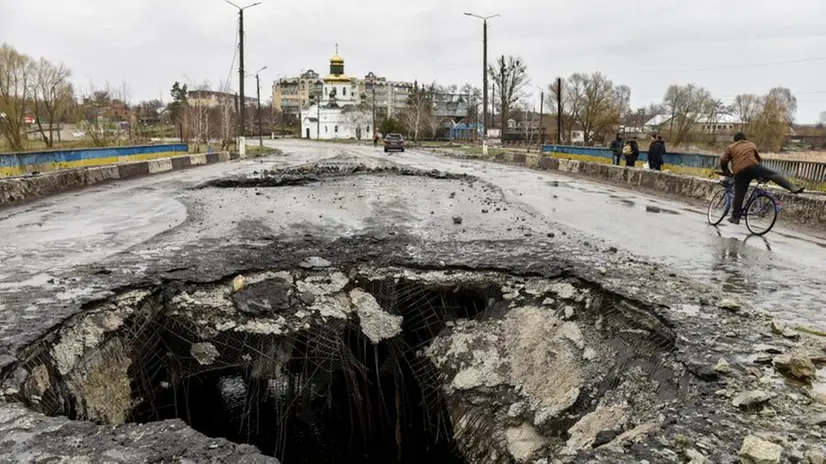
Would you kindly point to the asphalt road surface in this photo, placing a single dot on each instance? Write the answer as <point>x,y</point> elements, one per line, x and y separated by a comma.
<point>781,273</point>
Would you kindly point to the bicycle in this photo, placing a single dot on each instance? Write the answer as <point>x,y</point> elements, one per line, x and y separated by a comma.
<point>760,205</point>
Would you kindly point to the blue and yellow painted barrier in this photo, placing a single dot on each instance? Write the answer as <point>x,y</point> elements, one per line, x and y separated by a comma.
<point>16,164</point>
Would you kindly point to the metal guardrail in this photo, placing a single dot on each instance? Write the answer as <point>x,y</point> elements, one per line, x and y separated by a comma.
<point>803,170</point>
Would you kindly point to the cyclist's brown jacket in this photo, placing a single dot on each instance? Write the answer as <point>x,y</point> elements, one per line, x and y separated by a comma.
<point>742,154</point>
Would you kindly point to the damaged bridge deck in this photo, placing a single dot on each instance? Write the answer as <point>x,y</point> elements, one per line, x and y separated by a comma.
<point>298,312</point>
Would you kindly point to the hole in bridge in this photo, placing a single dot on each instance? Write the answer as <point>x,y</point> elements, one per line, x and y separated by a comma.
<point>326,393</point>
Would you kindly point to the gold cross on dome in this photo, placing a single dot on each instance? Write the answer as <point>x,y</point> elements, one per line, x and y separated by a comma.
<point>336,48</point>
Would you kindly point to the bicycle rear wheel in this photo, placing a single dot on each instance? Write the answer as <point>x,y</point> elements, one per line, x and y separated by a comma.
<point>761,214</point>
<point>717,208</point>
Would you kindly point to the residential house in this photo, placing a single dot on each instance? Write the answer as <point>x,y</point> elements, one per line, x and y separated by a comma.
<point>721,127</point>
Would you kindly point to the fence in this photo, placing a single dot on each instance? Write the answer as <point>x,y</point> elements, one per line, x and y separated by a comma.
<point>803,170</point>
<point>15,164</point>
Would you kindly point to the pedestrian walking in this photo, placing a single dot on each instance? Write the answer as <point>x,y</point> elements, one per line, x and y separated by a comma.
<point>656,152</point>
<point>375,140</point>
<point>616,149</point>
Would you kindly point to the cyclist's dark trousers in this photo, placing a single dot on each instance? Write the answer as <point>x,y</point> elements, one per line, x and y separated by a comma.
<point>744,178</point>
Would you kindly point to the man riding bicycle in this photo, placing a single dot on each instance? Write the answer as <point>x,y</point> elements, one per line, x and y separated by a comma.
<point>746,166</point>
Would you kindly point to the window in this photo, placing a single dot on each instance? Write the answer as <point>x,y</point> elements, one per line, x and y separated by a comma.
<point>325,129</point>
<point>344,90</point>
<point>335,129</point>
<point>367,129</point>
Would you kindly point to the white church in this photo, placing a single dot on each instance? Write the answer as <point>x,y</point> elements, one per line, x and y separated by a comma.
<point>340,114</point>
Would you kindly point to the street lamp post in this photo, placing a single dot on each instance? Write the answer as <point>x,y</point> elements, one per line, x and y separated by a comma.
<point>484,68</point>
<point>241,110</point>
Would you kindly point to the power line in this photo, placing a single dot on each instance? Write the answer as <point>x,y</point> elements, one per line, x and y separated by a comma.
<point>744,66</point>
<point>232,65</point>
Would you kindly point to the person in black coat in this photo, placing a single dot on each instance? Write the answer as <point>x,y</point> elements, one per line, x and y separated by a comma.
<point>656,152</point>
<point>616,149</point>
<point>631,159</point>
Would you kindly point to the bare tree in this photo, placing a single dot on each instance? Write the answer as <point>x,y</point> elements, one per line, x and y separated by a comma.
<point>787,100</point>
<point>770,125</point>
<point>594,103</point>
<point>622,98</point>
<point>747,106</point>
<point>16,76</point>
<point>687,105</point>
<point>473,96</point>
<point>717,109</point>
<point>227,119</point>
<point>195,115</point>
<point>419,108</point>
<point>823,117</point>
<point>101,125</point>
<point>52,94</point>
<point>511,77</point>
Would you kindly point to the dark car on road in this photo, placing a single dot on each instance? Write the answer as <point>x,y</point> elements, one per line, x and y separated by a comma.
<point>393,142</point>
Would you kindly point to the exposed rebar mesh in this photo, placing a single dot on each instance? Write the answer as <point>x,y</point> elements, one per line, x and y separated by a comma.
<point>325,393</point>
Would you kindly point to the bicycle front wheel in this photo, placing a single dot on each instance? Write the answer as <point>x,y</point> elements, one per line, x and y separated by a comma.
<point>761,214</point>
<point>717,208</point>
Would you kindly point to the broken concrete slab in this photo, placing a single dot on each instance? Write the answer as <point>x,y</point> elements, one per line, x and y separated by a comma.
<point>29,436</point>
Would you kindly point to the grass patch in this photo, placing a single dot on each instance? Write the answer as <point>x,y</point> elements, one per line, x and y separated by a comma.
<point>259,151</point>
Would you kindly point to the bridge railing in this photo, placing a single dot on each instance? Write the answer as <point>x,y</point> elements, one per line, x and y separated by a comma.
<point>803,170</point>
<point>22,163</point>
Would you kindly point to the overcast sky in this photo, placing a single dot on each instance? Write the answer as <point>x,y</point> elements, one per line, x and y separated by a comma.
<point>646,44</point>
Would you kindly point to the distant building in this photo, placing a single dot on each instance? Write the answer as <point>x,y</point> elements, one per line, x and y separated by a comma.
<point>339,111</point>
<point>213,99</point>
<point>291,94</point>
<point>390,96</point>
<point>723,125</point>
<point>450,105</point>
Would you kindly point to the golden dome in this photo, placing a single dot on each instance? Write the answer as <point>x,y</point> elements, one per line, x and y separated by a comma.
<point>336,58</point>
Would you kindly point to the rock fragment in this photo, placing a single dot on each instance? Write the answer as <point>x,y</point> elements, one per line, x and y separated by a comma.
<point>239,283</point>
<point>314,262</point>
<point>722,366</point>
<point>205,353</point>
<point>695,457</point>
<point>730,305</point>
<point>795,366</point>
<point>758,451</point>
<point>750,399</point>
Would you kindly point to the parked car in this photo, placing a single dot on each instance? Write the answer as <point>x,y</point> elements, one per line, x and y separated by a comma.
<point>393,142</point>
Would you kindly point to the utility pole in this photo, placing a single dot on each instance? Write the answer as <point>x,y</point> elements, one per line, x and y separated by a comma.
<point>373,88</point>
<point>559,111</point>
<point>258,96</point>
<point>485,72</point>
<point>484,67</point>
<point>502,116</point>
<point>541,113</point>
<point>241,101</point>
